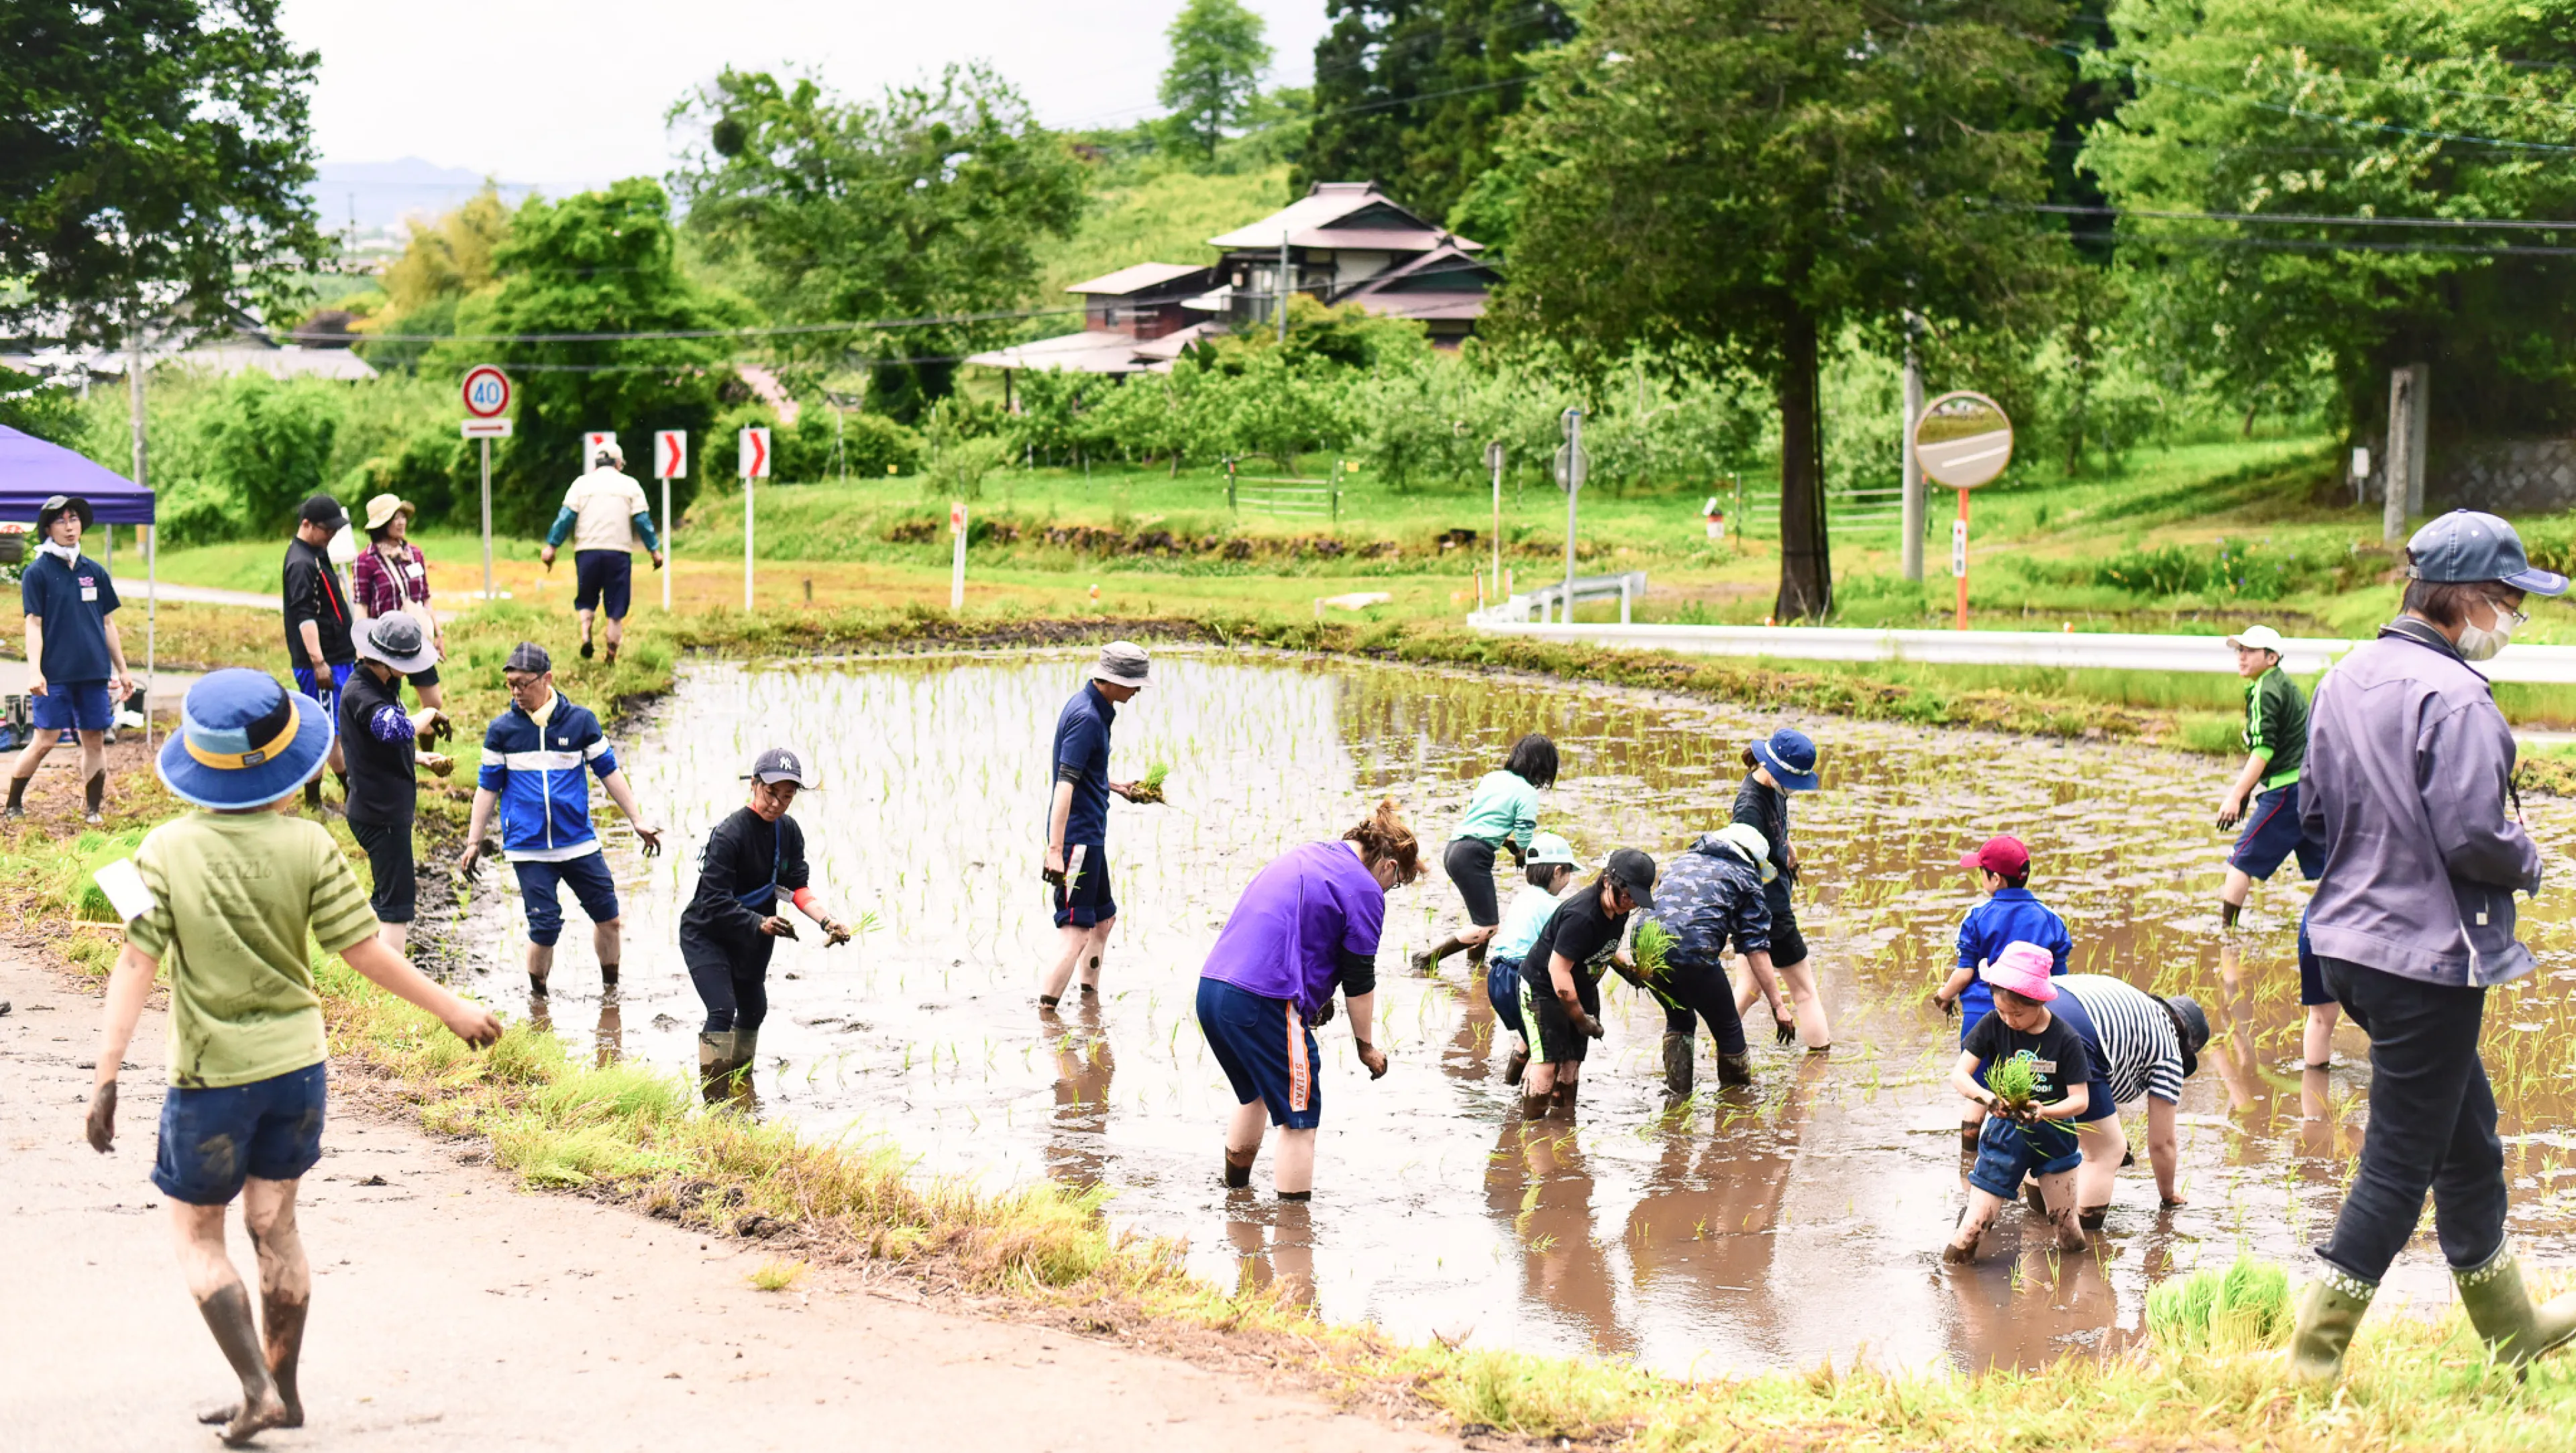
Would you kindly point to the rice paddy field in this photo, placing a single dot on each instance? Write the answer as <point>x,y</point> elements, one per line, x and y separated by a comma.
<point>1773,1227</point>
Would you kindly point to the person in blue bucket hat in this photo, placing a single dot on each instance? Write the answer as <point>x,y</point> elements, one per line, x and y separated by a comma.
<point>1777,765</point>
<point>224,898</point>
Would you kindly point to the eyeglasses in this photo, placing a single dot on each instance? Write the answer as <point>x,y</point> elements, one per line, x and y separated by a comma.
<point>2519,619</point>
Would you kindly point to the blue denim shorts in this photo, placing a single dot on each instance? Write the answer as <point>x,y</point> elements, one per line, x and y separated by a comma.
<point>212,1139</point>
<point>68,706</point>
<point>2007,1152</point>
<point>588,877</point>
<point>1503,991</point>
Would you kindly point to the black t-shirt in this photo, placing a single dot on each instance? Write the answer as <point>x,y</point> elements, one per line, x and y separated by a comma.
<point>2056,1052</point>
<point>1581,930</point>
<point>741,856</point>
<point>381,785</point>
<point>1766,811</point>
<point>313,594</point>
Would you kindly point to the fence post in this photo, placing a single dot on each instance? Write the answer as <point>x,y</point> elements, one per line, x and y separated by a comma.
<point>1623,600</point>
<point>1231,507</point>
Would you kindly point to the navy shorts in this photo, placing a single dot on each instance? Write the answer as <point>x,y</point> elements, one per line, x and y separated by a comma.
<point>1084,900</point>
<point>2272,835</point>
<point>2312,974</point>
<point>69,706</point>
<point>1503,991</point>
<point>588,877</point>
<point>212,1139</point>
<point>2006,1153</point>
<point>1267,1054</point>
<point>310,683</point>
<point>602,580</point>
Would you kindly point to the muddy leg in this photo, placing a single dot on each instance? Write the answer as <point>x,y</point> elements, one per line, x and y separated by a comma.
<point>2106,1149</point>
<point>1243,1132</point>
<point>225,1304</point>
<point>2058,1192</point>
<point>1518,1064</point>
<point>1799,979</point>
<point>285,1285</point>
<point>541,962</point>
<point>1073,943</point>
<point>1538,1089</point>
<point>1983,1207</point>
<point>606,941</point>
<point>1424,962</point>
<point>1098,945</point>
<point>2316,1040</point>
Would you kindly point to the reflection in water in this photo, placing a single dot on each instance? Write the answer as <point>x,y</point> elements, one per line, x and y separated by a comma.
<point>1786,1224</point>
<point>1275,1250</point>
<point>610,1035</point>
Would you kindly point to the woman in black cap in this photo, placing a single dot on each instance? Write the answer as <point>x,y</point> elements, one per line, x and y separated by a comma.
<point>76,663</point>
<point>730,926</point>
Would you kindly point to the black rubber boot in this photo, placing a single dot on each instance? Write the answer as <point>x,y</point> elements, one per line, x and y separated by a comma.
<point>313,795</point>
<point>1734,1069</point>
<point>93,794</point>
<point>1515,1067</point>
<point>17,797</point>
<point>1678,1065</point>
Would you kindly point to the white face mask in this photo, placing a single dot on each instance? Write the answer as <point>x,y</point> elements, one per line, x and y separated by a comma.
<point>2479,643</point>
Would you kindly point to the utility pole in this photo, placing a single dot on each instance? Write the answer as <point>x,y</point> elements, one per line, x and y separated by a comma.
<point>1913,505</point>
<point>2402,472</point>
<point>1283,287</point>
<point>1572,467</point>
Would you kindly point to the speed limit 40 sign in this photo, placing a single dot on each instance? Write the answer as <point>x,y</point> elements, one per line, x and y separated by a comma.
<point>487,392</point>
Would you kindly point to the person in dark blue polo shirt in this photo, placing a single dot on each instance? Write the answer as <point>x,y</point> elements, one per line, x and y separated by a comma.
<point>2010,914</point>
<point>76,664</point>
<point>1077,845</point>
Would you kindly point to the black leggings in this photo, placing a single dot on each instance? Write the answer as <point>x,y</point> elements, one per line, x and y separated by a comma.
<point>1470,862</point>
<point>1690,990</point>
<point>735,991</point>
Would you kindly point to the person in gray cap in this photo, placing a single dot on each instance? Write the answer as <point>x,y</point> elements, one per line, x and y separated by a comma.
<point>1077,842</point>
<point>2407,784</point>
<point>382,745</point>
<point>732,923</point>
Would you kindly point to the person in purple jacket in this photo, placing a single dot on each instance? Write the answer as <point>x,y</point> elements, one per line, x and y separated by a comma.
<point>1308,925</point>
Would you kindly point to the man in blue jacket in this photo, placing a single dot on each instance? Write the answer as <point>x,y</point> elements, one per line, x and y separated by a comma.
<point>533,757</point>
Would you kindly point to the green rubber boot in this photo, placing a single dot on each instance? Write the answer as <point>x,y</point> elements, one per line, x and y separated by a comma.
<point>2499,1306</point>
<point>2330,1309</point>
<point>1678,1064</point>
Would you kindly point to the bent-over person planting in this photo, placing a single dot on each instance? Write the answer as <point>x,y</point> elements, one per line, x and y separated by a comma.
<point>2142,1047</point>
<point>1708,897</point>
<point>236,887</point>
<point>1561,978</point>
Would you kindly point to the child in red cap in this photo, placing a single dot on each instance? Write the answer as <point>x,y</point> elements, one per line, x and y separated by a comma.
<point>2009,915</point>
<point>2034,1140</point>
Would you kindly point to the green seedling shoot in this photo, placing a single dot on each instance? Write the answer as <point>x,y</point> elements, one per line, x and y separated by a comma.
<point>1654,950</point>
<point>2014,1082</point>
<point>1149,788</point>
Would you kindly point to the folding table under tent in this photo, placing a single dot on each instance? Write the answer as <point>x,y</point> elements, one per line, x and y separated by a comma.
<point>33,471</point>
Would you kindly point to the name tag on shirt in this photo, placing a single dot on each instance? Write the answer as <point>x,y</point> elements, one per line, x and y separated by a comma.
<point>415,572</point>
<point>88,586</point>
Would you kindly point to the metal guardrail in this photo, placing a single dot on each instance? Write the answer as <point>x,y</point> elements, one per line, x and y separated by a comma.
<point>2057,649</point>
<point>1284,498</point>
<point>1551,600</point>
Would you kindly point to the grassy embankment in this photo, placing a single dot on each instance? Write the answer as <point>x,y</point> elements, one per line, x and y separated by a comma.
<point>630,1133</point>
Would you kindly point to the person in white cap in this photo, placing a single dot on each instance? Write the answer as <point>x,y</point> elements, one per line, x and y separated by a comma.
<point>1077,842</point>
<point>2265,796</point>
<point>606,516</point>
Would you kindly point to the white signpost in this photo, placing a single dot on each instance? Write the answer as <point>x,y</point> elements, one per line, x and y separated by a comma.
<point>957,563</point>
<point>754,449</point>
<point>1494,467</point>
<point>670,462</point>
<point>487,402</point>
<point>1573,466</point>
<point>1962,440</point>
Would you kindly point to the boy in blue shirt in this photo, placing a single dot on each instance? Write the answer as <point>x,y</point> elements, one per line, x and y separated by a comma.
<point>2009,915</point>
<point>76,663</point>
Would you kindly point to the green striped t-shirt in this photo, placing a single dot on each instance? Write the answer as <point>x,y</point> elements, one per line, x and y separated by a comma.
<point>1503,805</point>
<point>233,897</point>
<point>2276,726</point>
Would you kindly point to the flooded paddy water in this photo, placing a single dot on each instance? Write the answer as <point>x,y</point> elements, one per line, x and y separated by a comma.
<point>1777,1226</point>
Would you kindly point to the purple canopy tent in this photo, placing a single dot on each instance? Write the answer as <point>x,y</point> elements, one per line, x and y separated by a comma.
<point>32,471</point>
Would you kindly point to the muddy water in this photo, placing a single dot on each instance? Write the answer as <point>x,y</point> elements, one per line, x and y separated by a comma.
<point>1795,1222</point>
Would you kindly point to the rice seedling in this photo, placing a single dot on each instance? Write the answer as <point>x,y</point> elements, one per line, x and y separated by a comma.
<point>1654,945</point>
<point>2014,1082</point>
<point>777,1276</point>
<point>1149,788</point>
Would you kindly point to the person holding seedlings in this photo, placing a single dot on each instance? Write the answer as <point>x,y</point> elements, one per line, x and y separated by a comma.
<point>2142,1047</point>
<point>1561,977</point>
<point>1709,896</point>
<point>2028,1070</point>
<point>2265,795</point>
<point>1501,813</point>
<point>2408,779</point>
<point>1782,763</point>
<point>235,889</point>
<point>606,516</point>
<point>1306,926</point>
<point>533,756</point>
<point>2010,914</point>
<point>732,922</point>
<point>319,647</point>
<point>1549,867</point>
<point>1077,843</point>
<point>391,577</point>
<point>76,672</point>
<point>383,747</point>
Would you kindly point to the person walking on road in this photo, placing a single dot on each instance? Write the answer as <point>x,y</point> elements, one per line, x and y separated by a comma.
<point>383,745</point>
<point>391,577</point>
<point>2409,788</point>
<point>235,889</point>
<point>1502,813</point>
<point>2141,1047</point>
<point>2265,795</point>
<point>606,516</point>
<point>1783,763</point>
<point>320,648</point>
<point>1708,897</point>
<point>1561,978</point>
<point>76,661</point>
<point>533,757</point>
<point>1077,841</point>
<point>1306,927</point>
<point>732,922</point>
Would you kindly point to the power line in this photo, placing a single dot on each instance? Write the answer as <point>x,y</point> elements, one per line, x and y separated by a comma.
<point>2289,218</point>
<point>677,334</point>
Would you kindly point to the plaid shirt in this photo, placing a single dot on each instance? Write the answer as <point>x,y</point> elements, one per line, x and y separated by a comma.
<point>381,589</point>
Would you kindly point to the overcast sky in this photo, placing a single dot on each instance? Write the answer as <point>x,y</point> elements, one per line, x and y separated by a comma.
<point>554,91</point>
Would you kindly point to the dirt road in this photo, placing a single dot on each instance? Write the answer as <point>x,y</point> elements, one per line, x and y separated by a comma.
<point>452,1310</point>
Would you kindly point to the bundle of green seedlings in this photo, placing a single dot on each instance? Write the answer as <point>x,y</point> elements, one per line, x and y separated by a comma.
<point>2014,1082</point>
<point>1149,788</point>
<point>1654,946</point>
<point>2243,1307</point>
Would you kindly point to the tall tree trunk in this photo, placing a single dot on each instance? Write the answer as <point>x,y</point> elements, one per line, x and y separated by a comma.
<point>1806,557</point>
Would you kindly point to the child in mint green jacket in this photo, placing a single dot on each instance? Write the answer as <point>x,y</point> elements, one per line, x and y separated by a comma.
<point>1501,813</point>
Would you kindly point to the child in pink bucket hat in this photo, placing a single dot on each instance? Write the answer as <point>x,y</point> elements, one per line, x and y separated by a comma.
<point>2035,1141</point>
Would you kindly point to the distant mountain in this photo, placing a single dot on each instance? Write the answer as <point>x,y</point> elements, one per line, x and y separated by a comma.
<point>381,193</point>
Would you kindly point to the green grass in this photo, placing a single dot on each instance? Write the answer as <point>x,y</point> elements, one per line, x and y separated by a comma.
<point>1166,218</point>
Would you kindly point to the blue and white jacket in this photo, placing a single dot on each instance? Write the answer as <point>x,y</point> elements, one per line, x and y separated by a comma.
<point>544,799</point>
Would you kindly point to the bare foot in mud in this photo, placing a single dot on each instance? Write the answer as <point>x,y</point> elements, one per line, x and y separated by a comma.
<point>243,1422</point>
<point>2070,1236</point>
<point>1963,1247</point>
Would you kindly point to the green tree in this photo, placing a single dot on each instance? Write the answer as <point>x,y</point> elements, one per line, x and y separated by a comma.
<point>1214,79</point>
<point>2280,110</point>
<point>595,263</point>
<point>927,205</point>
<point>1730,183</point>
<point>1412,94</point>
<point>154,156</point>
